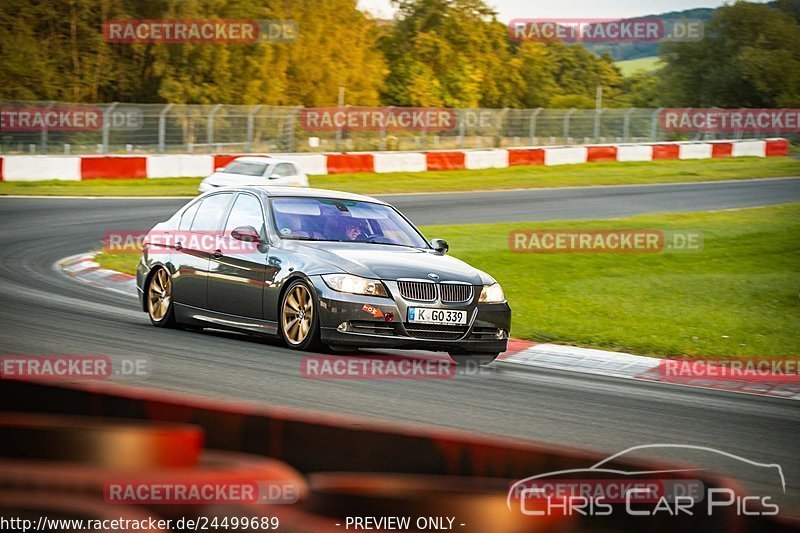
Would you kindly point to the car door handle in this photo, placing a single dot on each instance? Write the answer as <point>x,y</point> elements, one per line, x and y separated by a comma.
<point>217,254</point>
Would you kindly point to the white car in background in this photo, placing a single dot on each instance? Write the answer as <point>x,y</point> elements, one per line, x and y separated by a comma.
<point>256,171</point>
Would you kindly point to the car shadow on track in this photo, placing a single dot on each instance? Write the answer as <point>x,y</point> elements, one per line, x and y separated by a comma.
<point>426,360</point>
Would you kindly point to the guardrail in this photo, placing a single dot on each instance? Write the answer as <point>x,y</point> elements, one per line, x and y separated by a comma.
<point>77,168</point>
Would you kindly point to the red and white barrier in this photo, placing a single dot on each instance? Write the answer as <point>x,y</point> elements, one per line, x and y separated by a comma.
<point>178,166</point>
<point>486,159</point>
<point>446,160</point>
<point>36,168</point>
<point>525,156</point>
<point>350,162</point>
<point>721,149</point>
<point>634,152</point>
<point>750,148</point>
<point>400,162</point>
<point>666,151</point>
<point>695,151</point>
<point>76,168</point>
<point>566,155</point>
<point>113,167</point>
<point>601,154</point>
<point>777,147</point>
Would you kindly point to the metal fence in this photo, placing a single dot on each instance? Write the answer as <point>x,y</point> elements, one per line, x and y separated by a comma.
<point>171,128</point>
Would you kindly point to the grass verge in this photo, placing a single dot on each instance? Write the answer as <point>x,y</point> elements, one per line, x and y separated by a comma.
<point>120,262</point>
<point>666,171</point>
<point>738,296</point>
<point>103,187</point>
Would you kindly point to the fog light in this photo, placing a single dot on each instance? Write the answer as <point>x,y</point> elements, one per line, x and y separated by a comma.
<point>501,334</point>
<point>343,327</point>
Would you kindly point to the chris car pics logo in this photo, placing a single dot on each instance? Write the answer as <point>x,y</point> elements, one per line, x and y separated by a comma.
<point>604,489</point>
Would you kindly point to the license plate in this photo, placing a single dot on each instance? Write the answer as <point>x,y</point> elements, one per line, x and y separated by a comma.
<point>424,315</point>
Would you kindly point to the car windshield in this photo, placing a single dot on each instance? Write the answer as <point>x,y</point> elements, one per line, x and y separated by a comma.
<point>245,169</point>
<point>326,219</point>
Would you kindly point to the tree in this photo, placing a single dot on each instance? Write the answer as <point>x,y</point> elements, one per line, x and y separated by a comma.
<point>450,53</point>
<point>579,72</point>
<point>56,50</point>
<point>750,57</point>
<point>642,89</point>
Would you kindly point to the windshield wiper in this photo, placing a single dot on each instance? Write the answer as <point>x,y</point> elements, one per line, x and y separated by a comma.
<point>387,244</point>
<point>301,239</point>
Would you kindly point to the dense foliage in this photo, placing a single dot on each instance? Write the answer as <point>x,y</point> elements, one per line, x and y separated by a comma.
<point>450,53</point>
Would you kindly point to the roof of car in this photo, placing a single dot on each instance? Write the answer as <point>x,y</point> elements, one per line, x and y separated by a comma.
<point>274,191</point>
<point>262,159</point>
<point>259,159</point>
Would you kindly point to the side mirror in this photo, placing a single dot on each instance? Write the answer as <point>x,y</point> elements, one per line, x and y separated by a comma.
<point>440,245</point>
<point>246,234</point>
<point>219,169</point>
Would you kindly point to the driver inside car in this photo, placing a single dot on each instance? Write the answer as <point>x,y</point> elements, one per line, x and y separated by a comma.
<point>354,232</point>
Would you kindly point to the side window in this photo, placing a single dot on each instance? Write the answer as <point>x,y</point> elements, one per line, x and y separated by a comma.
<point>246,169</point>
<point>246,212</point>
<point>188,217</point>
<point>284,169</point>
<point>210,212</point>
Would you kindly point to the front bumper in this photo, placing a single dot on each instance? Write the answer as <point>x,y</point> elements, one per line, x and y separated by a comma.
<point>358,321</point>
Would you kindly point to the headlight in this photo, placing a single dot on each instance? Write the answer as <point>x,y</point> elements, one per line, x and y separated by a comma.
<point>354,284</point>
<point>492,294</point>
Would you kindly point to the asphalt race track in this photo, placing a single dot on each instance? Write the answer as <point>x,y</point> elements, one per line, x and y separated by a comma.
<point>592,202</point>
<point>44,312</point>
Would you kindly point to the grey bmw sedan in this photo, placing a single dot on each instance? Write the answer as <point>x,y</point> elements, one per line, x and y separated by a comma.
<point>318,269</point>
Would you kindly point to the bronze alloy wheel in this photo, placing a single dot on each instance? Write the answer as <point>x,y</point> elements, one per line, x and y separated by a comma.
<point>299,320</point>
<point>298,314</point>
<point>159,298</point>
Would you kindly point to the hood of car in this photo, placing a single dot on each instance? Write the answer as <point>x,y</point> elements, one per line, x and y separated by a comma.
<point>390,262</point>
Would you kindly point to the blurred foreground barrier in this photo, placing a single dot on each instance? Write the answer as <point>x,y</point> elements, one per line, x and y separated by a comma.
<point>86,167</point>
<point>130,444</point>
<point>308,471</point>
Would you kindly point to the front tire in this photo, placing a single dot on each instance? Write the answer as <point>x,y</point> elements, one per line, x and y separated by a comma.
<point>160,307</point>
<point>299,318</point>
<point>478,359</point>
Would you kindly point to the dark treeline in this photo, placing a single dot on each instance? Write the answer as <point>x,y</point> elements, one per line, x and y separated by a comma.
<point>450,53</point>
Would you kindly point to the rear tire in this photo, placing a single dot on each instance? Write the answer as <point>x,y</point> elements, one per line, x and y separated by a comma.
<point>160,306</point>
<point>479,359</point>
<point>299,318</point>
